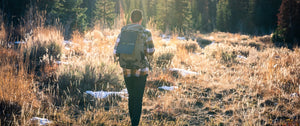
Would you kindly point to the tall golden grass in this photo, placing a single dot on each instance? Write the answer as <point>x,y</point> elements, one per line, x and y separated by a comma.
<point>2,31</point>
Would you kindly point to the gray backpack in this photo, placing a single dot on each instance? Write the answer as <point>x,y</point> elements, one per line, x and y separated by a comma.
<point>131,47</point>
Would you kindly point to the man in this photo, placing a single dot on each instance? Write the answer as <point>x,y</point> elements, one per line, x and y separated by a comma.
<point>135,71</point>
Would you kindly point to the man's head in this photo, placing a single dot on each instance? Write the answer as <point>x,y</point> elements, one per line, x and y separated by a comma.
<point>136,16</point>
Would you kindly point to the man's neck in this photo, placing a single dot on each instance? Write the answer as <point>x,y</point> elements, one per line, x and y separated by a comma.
<point>139,22</point>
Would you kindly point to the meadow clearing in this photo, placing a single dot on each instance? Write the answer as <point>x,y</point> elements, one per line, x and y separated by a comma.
<point>217,79</point>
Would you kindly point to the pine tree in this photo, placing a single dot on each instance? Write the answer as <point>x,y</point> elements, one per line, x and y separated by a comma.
<point>223,15</point>
<point>262,16</point>
<point>196,14</point>
<point>249,21</point>
<point>213,14</point>
<point>71,15</point>
<point>152,8</point>
<point>204,15</point>
<point>91,6</point>
<point>288,23</point>
<point>149,7</point>
<point>181,15</point>
<point>187,17</point>
<point>164,15</point>
<point>105,12</point>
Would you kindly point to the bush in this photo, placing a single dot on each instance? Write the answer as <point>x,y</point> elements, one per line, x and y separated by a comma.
<point>17,94</point>
<point>189,46</point>
<point>281,38</point>
<point>42,53</point>
<point>278,37</point>
<point>255,45</point>
<point>77,78</point>
<point>2,33</point>
<point>9,56</point>
<point>54,51</point>
<point>164,59</point>
<point>228,57</point>
<point>43,47</point>
<point>203,42</point>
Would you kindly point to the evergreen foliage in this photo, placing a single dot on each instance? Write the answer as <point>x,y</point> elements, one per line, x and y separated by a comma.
<point>71,15</point>
<point>164,15</point>
<point>288,23</point>
<point>91,6</point>
<point>105,12</point>
<point>255,17</point>
<point>223,15</point>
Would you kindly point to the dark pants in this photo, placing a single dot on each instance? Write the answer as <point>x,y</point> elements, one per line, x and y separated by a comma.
<point>135,87</point>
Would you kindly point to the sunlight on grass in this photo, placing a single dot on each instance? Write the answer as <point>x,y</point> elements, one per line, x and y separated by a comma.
<point>238,80</point>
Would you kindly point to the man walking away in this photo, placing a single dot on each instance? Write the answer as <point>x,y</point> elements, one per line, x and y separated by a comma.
<point>132,48</point>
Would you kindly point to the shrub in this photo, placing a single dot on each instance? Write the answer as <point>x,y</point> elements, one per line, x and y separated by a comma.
<point>75,79</point>
<point>17,93</point>
<point>228,57</point>
<point>244,53</point>
<point>42,48</point>
<point>279,37</point>
<point>41,54</point>
<point>54,51</point>
<point>8,56</point>
<point>203,42</point>
<point>78,43</point>
<point>164,59</point>
<point>189,46</point>
<point>255,45</point>
<point>2,33</point>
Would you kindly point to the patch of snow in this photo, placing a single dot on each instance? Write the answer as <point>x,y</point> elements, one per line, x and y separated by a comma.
<point>61,62</point>
<point>168,88</point>
<point>87,41</point>
<point>20,42</point>
<point>124,90</point>
<point>67,48</point>
<point>183,72</point>
<point>40,121</point>
<point>242,57</point>
<point>294,95</point>
<point>181,38</point>
<point>105,94</point>
<point>166,38</point>
<point>67,42</point>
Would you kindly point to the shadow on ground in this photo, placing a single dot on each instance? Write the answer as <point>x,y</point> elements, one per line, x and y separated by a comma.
<point>7,112</point>
<point>203,42</point>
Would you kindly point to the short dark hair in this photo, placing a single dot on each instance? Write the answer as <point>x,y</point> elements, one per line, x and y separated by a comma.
<point>136,15</point>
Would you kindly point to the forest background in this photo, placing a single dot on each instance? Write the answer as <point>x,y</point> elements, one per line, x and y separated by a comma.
<point>254,17</point>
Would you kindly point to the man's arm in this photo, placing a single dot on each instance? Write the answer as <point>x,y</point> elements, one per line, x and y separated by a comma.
<point>149,44</point>
<point>115,48</point>
<point>149,48</point>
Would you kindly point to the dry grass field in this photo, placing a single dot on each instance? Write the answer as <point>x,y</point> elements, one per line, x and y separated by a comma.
<point>231,79</point>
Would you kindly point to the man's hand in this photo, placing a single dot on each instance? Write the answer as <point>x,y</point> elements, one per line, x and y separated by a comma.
<point>116,58</point>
